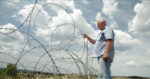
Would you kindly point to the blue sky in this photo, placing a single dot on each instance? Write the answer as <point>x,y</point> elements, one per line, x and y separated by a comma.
<point>57,27</point>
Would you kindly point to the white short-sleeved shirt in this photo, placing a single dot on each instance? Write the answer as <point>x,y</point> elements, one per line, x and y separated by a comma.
<point>100,44</point>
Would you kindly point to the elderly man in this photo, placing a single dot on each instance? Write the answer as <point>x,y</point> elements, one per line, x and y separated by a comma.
<point>103,48</point>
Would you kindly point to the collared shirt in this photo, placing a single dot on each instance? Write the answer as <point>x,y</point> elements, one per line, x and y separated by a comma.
<point>100,44</point>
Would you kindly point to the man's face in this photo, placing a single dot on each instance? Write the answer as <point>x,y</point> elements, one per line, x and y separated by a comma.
<point>100,25</point>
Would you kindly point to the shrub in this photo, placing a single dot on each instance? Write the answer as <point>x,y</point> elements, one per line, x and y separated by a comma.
<point>11,70</point>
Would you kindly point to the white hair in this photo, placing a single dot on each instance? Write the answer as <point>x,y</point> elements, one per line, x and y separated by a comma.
<point>102,20</point>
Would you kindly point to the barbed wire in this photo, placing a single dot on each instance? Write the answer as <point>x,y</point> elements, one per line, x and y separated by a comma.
<point>51,51</point>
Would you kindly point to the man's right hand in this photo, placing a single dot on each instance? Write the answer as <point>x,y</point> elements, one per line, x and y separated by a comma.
<point>85,36</point>
<point>89,38</point>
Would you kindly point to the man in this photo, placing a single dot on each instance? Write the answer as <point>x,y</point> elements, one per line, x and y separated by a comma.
<point>103,48</point>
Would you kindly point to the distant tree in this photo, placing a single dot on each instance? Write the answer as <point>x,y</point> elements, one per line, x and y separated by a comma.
<point>11,70</point>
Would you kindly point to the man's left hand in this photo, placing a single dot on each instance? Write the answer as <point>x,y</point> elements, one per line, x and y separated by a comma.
<point>105,56</point>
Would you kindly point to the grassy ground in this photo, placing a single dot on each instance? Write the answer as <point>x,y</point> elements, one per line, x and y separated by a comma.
<point>66,76</point>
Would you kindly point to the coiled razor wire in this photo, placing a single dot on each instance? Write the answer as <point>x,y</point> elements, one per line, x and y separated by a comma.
<point>51,64</point>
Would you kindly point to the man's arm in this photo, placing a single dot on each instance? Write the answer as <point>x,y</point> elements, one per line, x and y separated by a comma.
<point>108,47</point>
<point>89,38</point>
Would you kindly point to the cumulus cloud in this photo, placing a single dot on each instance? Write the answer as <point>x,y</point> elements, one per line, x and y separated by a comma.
<point>11,43</point>
<point>99,16</point>
<point>109,8</point>
<point>8,28</point>
<point>64,32</point>
<point>81,22</point>
<point>62,25</point>
<point>39,16</point>
<point>124,41</point>
<point>65,25</point>
<point>141,21</point>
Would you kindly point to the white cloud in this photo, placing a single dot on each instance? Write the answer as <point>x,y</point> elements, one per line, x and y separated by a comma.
<point>11,43</point>
<point>9,28</point>
<point>39,16</point>
<point>81,22</point>
<point>99,16</point>
<point>131,64</point>
<point>85,2</point>
<point>61,4</point>
<point>124,41</point>
<point>141,64</point>
<point>141,21</point>
<point>109,8</point>
<point>10,3</point>
<point>47,25</point>
<point>65,32</point>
